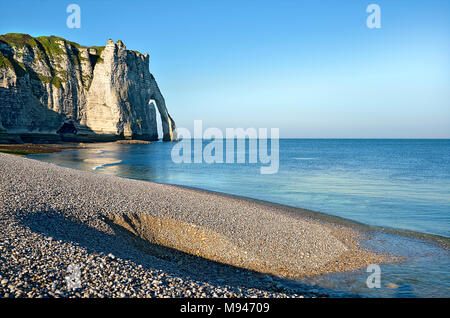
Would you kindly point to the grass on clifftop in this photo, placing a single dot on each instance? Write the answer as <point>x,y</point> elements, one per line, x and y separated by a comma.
<point>18,39</point>
<point>50,43</point>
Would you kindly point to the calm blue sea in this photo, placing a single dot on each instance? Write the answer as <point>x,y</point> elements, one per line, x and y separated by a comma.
<point>401,184</point>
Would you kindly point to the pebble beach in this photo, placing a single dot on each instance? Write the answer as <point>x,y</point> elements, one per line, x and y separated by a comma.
<point>131,238</point>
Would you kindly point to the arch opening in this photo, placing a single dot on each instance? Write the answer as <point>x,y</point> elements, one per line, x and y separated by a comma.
<point>159,126</point>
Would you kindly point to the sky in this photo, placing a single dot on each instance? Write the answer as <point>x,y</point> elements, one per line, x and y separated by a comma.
<point>312,68</point>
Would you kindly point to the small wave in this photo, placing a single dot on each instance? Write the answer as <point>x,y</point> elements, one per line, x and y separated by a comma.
<point>102,162</point>
<point>103,165</point>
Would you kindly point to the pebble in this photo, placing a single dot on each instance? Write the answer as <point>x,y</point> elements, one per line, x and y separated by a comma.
<point>54,219</point>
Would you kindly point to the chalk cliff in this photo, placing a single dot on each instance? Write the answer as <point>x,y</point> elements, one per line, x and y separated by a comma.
<point>59,89</point>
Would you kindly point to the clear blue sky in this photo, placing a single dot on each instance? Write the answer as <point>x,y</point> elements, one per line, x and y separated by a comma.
<point>311,68</point>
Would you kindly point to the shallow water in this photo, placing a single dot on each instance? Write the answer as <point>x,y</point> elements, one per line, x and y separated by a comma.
<point>423,271</point>
<point>401,184</point>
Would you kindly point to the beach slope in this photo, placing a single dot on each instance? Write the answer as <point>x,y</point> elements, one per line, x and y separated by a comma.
<point>136,238</point>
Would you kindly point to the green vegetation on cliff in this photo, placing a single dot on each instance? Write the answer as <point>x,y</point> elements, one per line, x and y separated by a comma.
<point>51,43</point>
<point>4,62</point>
<point>7,61</point>
<point>18,40</point>
<point>47,49</point>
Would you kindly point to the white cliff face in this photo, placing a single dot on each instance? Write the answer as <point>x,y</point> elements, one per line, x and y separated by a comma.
<point>52,86</point>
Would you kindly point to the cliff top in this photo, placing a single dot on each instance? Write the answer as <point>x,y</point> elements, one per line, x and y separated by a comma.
<point>49,42</point>
<point>14,43</point>
<point>51,45</point>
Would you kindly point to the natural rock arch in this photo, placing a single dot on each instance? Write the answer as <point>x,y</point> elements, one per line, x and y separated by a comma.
<point>168,125</point>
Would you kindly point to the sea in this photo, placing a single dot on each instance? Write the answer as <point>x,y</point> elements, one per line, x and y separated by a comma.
<point>400,188</point>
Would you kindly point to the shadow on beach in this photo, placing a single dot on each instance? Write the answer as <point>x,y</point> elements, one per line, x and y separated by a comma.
<point>124,244</point>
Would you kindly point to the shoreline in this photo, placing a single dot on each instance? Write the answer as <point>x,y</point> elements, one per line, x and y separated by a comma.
<point>443,241</point>
<point>176,225</point>
<point>26,149</point>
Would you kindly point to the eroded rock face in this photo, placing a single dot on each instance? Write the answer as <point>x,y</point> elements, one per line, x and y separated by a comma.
<point>47,83</point>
